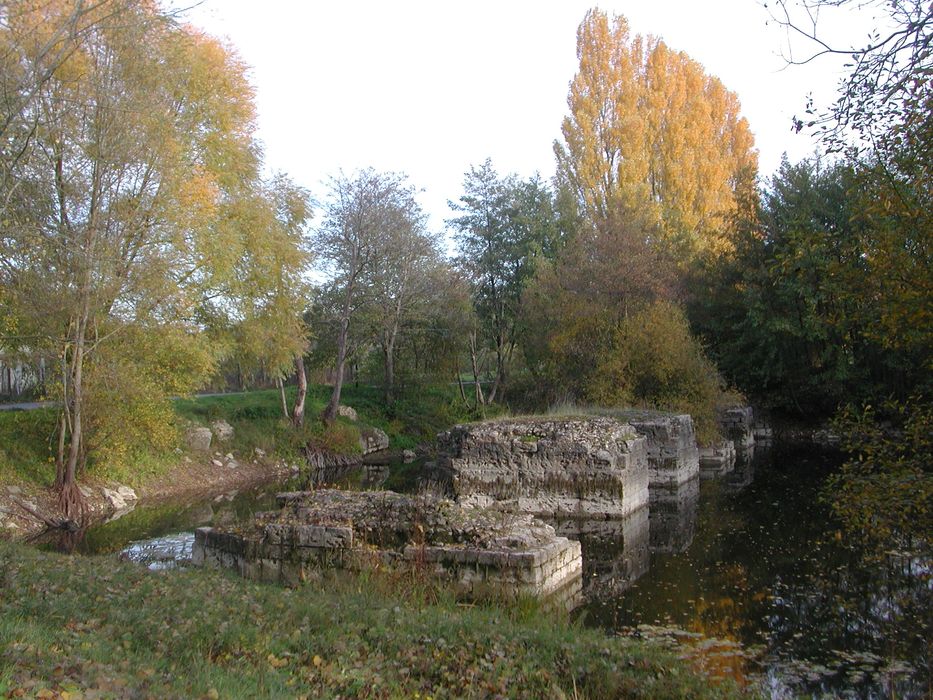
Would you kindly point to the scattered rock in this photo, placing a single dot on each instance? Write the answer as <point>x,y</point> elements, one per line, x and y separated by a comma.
<point>217,463</point>
<point>228,456</point>
<point>127,493</point>
<point>118,498</point>
<point>373,440</point>
<point>259,452</point>
<point>222,430</point>
<point>85,491</point>
<point>408,456</point>
<point>347,412</point>
<point>232,464</point>
<point>14,490</point>
<point>198,438</point>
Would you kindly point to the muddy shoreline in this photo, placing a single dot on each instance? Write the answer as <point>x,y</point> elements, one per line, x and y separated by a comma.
<point>187,479</point>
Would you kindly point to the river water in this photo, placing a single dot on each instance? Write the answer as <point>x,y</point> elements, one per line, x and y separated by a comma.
<point>747,576</point>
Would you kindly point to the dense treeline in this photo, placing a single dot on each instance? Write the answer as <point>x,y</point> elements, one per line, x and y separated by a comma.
<point>142,252</point>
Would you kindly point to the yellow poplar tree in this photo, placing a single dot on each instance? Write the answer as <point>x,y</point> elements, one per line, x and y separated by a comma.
<point>648,129</point>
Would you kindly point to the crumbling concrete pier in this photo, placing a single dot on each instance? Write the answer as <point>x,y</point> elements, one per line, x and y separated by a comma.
<point>480,553</point>
<point>583,467</point>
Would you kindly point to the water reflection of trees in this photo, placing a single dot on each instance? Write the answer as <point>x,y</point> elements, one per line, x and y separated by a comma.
<point>883,609</point>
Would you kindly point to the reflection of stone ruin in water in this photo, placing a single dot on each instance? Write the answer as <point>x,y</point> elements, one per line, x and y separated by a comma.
<point>592,475</point>
<point>743,474</point>
<point>481,553</point>
<point>615,551</point>
<point>328,468</point>
<point>674,517</point>
<point>717,459</point>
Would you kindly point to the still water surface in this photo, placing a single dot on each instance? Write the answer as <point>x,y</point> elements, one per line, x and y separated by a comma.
<point>746,575</point>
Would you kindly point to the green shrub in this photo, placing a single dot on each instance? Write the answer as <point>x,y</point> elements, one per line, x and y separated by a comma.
<point>339,438</point>
<point>654,361</point>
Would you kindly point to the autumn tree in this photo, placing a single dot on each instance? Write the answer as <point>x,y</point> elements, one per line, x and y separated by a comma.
<point>363,215</point>
<point>576,301</point>
<point>135,198</point>
<point>402,284</point>
<point>504,226</point>
<point>263,313</point>
<point>649,129</point>
<point>882,125</point>
<point>882,122</point>
<point>36,39</point>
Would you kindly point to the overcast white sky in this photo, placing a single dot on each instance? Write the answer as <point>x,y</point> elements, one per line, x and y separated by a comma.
<point>429,87</point>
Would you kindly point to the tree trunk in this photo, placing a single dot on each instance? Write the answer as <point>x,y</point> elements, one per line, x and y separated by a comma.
<point>474,363</point>
<point>298,414</point>
<point>460,383</point>
<point>282,397</point>
<point>388,351</point>
<point>70,498</point>
<point>60,455</point>
<point>330,411</point>
<point>502,358</point>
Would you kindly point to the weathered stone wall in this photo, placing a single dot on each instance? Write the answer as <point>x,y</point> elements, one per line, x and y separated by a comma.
<point>673,457</point>
<point>481,553</point>
<point>561,467</point>
<point>737,424</point>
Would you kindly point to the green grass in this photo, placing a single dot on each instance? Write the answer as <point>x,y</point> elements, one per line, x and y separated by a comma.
<point>412,419</point>
<point>98,626</point>
<point>27,438</point>
<point>27,445</point>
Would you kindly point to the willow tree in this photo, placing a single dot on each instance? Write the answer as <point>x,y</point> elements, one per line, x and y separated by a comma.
<point>648,129</point>
<point>135,198</point>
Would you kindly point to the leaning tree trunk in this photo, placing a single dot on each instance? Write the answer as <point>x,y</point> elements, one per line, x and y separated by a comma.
<point>281,386</point>
<point>475,366</point>
<point>298,413</point>
<point>330,411</point>
<point>460,384</point>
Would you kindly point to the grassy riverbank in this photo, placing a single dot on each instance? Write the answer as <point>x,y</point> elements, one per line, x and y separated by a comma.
<point>263,446</point>
<point>27,438</point>
<point>73,627</point>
